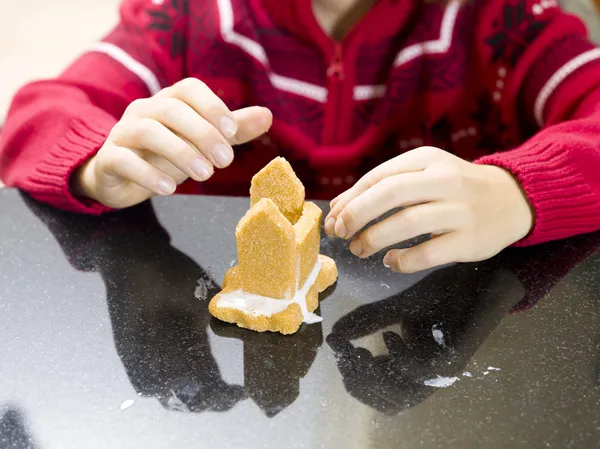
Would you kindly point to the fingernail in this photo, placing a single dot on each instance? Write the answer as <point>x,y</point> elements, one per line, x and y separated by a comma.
<point>329,224</point>
<point>166,186</point>
<point>201,169</point>
<point>340,228</point>
<point>227,126</point>
<point>222,154</point>
<point>356,248</point>
<point>387,261</point>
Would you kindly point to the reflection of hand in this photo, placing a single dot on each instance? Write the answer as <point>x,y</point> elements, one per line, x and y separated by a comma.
<point>473,211</point>
<point>388,383</point>
<point>14,431</point>
<point>158,324</point>
<point>216,396</point>
<point>438,324</point>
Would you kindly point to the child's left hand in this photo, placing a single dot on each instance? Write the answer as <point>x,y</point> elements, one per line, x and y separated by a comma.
<point>472,211</point>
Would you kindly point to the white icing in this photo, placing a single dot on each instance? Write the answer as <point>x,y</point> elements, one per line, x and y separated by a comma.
<point>126,404</point>
<point>257,305</point>
<point>441,382</point>
<point>438,335</point>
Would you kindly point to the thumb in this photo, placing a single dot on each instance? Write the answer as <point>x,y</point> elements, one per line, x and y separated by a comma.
<point>252,122</point>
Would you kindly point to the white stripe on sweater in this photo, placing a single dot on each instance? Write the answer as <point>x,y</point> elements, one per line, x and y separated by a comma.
<point>438,46</point>
<point>559,76</point>
<point>119,55</point>
<point>283,83</point>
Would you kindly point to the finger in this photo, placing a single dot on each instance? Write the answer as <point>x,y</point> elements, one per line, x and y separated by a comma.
<point>158,139</point>
<point>167,167</point>
<point>329,225</point>
<point>437,217</point>
<point>187,123</point>
<point>411,161</point>
<point>392,192</point>
<point>252,123</point>
<point>129,166</point>
<point>437,251</point>
<point>205,102</point>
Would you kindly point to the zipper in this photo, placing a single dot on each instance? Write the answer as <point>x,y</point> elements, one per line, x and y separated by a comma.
<point>335,76</point>
<point>336,68</point>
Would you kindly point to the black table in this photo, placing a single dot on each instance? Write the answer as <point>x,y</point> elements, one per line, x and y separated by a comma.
<point>107,342</point>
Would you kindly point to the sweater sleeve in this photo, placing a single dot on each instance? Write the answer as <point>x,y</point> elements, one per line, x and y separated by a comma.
<point>553,91</point>
<point>54,126</point>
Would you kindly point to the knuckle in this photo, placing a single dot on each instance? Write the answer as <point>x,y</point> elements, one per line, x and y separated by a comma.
<point>203,134</point>
<point>368,241</point>
<point>408,219</point>
<point>452,176</point>
<point>388,188</point>
<point>213,109</point>
<point>429,152</point>
<point>114,160</point>
<point>400,263</point>
<point>452,171</point>
<point>121,129</point>
<point>350,216</point>
<point>145,173</point>
<point>169,109</point>
<point>141,129</point>
<point>181,149</point>
<point>136,107</point>
<point>369,180</point>
<point>187,84</point>
<point>425,256</point>
<point>428,256</point>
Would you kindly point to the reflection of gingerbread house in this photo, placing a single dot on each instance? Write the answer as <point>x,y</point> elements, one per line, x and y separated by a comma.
<point>280,274</point>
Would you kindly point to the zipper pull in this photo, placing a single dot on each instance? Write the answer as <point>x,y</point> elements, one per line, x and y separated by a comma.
<point>336,68</point>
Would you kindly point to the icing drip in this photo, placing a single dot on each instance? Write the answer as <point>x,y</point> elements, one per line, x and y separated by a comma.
<point>257,305</point>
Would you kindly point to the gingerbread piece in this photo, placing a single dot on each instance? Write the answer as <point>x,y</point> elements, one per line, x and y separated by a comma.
<point>280,274</point>
<point>260,313</point>
<point>308,239</point>
<point>278,182</point>
<point>268,265</point>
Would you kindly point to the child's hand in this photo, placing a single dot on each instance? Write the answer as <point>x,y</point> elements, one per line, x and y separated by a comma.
<point>183,131</point>
<point>472,211</point>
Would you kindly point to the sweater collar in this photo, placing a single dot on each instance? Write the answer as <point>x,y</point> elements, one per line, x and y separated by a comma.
<point>385,19</point>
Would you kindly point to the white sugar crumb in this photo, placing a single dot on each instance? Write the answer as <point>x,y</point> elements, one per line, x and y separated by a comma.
<point>467,374</point>
<point>232,263</point>
<point>438,335</point>
<point>485,373</point>
<point>204,284</point>
<point>441,382</point>
<point>491,368</point>
<point>201,291</point>
<point>383,284</point>
<point>174,403</point>
<point>126,404</point>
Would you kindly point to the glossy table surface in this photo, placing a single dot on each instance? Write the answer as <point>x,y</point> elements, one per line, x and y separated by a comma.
<point>106,342</point>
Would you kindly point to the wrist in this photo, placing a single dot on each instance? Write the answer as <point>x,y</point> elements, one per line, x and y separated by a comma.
<point>518,209</point>
<point>82,181</point>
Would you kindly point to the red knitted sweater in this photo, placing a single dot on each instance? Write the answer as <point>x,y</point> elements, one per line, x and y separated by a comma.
<point>513,83</point>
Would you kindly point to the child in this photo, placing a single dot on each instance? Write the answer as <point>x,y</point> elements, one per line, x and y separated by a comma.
<point>353,85</point>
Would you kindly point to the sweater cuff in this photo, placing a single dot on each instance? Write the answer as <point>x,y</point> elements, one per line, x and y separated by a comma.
<point>559,194</point>
<point>53,175</point>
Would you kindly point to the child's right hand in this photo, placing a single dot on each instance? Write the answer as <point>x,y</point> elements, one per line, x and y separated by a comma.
<point>183,131</point>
